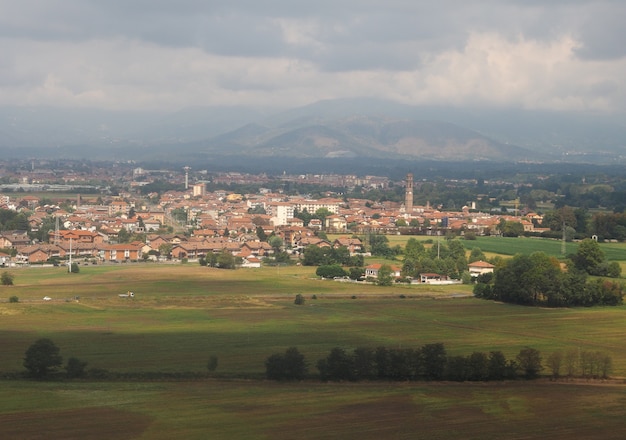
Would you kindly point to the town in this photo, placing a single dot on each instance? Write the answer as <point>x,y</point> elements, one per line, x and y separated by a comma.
<point>120,212</point>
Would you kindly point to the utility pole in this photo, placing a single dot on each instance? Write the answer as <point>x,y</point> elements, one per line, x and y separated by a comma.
<point>69,266</point>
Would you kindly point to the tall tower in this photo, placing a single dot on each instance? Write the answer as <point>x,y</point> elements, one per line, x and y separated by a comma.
<point>408,197</point>
<point>186,176</point>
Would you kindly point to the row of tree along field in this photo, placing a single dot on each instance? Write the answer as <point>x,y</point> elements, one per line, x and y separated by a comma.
<point>431,363</point>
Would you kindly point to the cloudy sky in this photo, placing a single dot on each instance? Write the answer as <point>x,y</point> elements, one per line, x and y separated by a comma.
<point>171,54</point>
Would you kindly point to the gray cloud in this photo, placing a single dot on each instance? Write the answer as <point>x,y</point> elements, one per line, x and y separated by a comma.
<point>144,53</point>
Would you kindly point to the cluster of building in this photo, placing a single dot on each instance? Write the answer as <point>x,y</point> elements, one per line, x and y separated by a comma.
<point>193,223</point>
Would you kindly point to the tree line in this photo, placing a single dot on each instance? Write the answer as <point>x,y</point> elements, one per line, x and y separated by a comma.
<point>538,279</point>
<point>431,362</point>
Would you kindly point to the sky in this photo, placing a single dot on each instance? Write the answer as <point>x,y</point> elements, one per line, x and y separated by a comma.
<point>173,54</point>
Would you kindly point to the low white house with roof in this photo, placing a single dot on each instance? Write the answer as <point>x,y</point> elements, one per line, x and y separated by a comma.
<point>480,267</point>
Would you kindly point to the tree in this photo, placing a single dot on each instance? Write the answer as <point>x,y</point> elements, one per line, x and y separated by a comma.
<point>305,216</point>
<point>456,368</point>
<point>338,365</point>
<point>555,360</point>
<point>356,273</point>
<point>478,366</point>
<point>212,364</point>
<point>315,255</point>
<point>364,363</point>
<point>296,367</point>
<point>165,249</point>
<point>288,366</point>
<point>476,255</point>
<point>6,279</point>
<point>401,223</point>
<point>414,249</point>
<point>379,246</point>
<point>571,362</point>
<point>434,360</point>
<point>529,360</point>
<point>321,214</point>
<point>225,260</point>
<point>496,365</point>
<point>260,232</point>
<point>385,277</point>
<point>276,242</point>
<point>589,257</point>
<point>330,271</point>
<point>123,236</point>
<point>42,357</point>
<point>75,368</point>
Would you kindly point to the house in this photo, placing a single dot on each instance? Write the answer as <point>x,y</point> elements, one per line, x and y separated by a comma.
<point>354,245</point>
<point>336,223</point>
<point>256,248</point>
<point>14,239</point>
<point>121,252</point>
<point>32,254</point>
<point>480,267</point>
<point>76,236</point>
<point>373,269</point>
<point>251,262</point>
<point>304,242</point>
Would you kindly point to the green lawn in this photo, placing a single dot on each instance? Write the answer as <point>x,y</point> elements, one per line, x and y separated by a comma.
<point>183,314</point>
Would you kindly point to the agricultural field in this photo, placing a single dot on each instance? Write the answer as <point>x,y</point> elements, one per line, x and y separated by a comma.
<point>183,314</point>
<point>509,246</point>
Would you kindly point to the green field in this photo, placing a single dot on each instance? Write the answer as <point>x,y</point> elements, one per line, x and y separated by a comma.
<point>509,246</point>
<point>526,245</point>
<point>183,314</point>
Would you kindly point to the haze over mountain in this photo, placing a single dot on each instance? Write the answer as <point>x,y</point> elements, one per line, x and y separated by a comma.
<point>326,129</point>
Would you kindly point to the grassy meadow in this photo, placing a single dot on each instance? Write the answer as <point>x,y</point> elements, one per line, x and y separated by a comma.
<point>183,314</point>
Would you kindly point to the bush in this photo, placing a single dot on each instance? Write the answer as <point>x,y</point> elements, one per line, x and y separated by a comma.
<point>14,299</point>
<point>470,235</point>
<point>299,301</point>
<point>6,279</point>
<point>98,373</point>
<point>74,268</point>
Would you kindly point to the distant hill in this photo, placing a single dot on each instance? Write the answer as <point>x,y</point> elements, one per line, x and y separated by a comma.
<point>343,128</point>
<point>369,136</point>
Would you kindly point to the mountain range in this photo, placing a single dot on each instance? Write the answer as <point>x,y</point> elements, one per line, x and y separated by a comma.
<point>346,128</point>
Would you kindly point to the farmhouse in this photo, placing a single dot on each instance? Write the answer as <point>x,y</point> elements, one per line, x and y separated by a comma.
<point>480,267</point>
<point>373,269</point>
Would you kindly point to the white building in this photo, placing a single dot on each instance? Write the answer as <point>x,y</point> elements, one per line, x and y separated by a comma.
<point>280,212</point>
